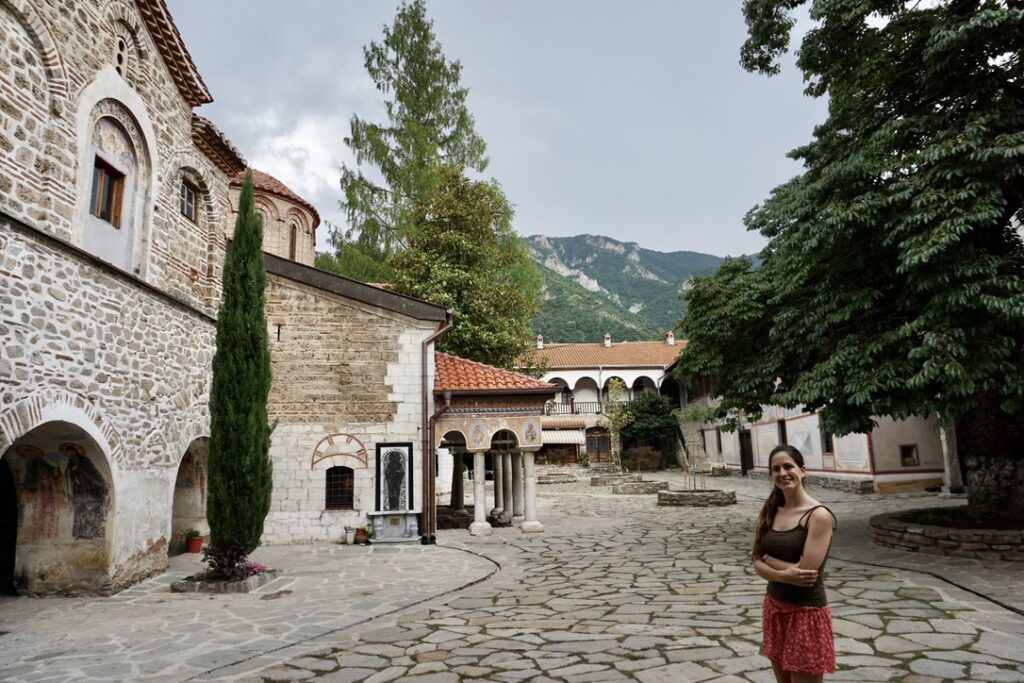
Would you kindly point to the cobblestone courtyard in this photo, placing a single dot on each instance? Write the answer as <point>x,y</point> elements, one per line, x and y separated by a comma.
<point>617,589</point>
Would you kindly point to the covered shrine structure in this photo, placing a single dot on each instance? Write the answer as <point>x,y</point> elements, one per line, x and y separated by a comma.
<point>492,417</point>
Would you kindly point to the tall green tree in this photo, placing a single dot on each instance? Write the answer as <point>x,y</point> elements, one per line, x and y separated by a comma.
<point>465,256</point>
<point>893,281</point>
<point>428,125</point>
<point>239,480</point>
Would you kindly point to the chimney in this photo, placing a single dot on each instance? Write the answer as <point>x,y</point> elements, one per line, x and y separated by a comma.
<point>670,338</point>
<point>540,342</point>
<point>607,339</point>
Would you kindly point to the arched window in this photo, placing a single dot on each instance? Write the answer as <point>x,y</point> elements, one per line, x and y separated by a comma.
<point>340,489</point>
<point>293,239</point>
<point>116,190</point>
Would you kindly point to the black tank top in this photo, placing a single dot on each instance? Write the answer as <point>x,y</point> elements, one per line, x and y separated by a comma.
<point>788,546</point>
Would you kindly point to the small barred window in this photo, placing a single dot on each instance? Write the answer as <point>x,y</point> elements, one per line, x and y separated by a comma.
<point>340,489</point>
<point>121,57</point>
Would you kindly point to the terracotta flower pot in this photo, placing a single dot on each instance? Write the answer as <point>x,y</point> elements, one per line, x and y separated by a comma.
<point>193,544</point>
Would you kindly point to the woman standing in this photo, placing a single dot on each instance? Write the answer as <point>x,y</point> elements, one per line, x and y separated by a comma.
<point>794,533</point>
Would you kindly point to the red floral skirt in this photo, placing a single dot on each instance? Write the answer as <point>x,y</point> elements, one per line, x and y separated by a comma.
<point>798,637</point>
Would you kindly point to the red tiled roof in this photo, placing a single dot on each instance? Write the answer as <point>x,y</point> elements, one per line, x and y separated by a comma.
<point>211,142</point>
<point>619,354</point>
<point>265,182</point>
<point>175,55</point>
<point>458,374</point>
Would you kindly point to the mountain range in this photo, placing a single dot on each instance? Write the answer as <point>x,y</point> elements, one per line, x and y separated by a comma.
<point>595,284</point>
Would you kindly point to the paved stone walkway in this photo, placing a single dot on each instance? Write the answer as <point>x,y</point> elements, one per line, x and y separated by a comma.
<point>617,589</point>
<point>148,633</point>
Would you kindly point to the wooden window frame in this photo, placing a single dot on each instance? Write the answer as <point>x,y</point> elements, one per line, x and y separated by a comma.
<point>107,193</point>
<point>184,191</point>
<point>339,494</point>
<point>783,436</point>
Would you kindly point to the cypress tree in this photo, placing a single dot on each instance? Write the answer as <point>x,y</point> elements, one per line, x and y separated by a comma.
<point>239,481</point>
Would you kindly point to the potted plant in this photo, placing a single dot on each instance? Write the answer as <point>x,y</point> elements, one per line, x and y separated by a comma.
<point>363,534</point>
<point>193,540</point>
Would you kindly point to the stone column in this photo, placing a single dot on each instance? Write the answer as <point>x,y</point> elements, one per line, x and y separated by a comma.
<point>458,492</point>
<point>479,527</point>
<point>499,493</point>
<point>530,523</point>
<point>517,487</point>
<point>506,487</point>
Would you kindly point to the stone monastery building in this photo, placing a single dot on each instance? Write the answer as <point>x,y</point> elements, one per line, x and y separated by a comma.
<point>116,202</point>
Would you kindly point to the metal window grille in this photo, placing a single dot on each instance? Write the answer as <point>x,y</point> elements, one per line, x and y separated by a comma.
<point>340,488</point>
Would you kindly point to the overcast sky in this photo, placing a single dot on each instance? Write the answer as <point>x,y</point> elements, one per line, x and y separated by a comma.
<point>630,119</point>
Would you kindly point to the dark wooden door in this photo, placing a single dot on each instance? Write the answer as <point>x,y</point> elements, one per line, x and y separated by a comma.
<point>746,451</point>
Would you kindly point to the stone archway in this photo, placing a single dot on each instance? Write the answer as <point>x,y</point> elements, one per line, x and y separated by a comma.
<point>63,505</point>
<point>188,508</point>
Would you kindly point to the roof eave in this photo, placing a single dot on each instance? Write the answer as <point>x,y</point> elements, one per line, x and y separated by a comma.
<point>524,391</point>
<point>173,51</point>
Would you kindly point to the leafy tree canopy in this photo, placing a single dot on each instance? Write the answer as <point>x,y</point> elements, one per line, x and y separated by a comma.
<point>465,256</point>
<point>893,282</point>
<point>650,422</point>
<point>428,125</point>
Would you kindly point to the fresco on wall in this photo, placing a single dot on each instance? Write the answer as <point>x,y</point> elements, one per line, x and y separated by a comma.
<point>394,470</point>
<point>851,452</point>
<point>767,439</point>
<point>42,495</point>
<point>87,492</point>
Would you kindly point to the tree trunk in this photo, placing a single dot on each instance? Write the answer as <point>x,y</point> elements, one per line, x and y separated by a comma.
<point>991,444</point>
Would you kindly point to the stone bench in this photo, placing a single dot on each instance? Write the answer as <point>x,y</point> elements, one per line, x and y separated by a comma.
<point>610,479</point>
<point>631,488</point>
<point>702,498</point>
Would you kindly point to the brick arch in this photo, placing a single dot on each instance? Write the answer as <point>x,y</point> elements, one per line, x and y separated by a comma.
<point>123,14</point>
<point>161,447</point>
<point>125,25</point>
<point>53,64</point>
<point>441,435</point>
<point>267,207</point>
<point>54,405</point>
<point>190,165</point>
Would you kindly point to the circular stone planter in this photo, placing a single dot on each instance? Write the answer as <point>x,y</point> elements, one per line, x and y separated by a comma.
<point>198,584</point>
<point>611,479</point>
<point>633,488</point>
<point>556,478</point>
<point>705,498</point>
<point>889,531</point>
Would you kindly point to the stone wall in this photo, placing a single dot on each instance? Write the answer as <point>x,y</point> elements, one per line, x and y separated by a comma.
<point>120,363</point>
<point>279,215</point>
<point>705,498</point>
<point>59,68</point>
<point>850,485</point>
<point>629,488</point>
<point>346,377</point>
<point>890,531</point>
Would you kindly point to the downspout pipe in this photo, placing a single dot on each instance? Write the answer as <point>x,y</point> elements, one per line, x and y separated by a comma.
<point>428,523</point>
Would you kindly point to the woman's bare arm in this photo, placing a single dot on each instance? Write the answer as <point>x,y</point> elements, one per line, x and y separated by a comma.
<point>776,563</point>
<point>819,535</point>
<point>793,574</point>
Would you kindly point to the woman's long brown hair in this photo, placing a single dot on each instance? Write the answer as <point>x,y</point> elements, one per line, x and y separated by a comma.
<point>775,500</point>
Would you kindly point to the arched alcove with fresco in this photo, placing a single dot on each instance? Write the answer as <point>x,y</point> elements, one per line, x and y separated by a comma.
<point>63,497</point>
<point>188,508</point>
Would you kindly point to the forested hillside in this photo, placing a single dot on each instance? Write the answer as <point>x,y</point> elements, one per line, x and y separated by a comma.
<point>596,284</point>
